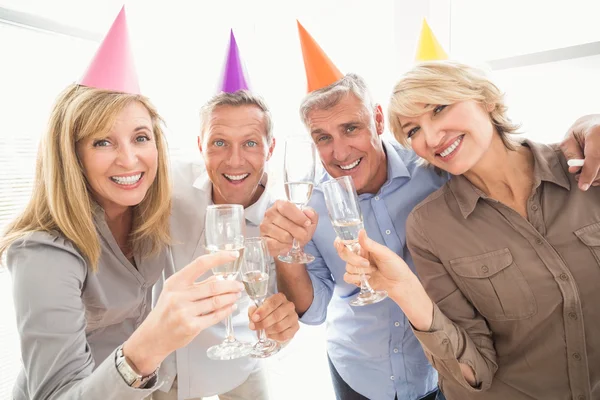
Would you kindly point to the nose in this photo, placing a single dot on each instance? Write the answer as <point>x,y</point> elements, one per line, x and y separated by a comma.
<point>433,136</point>
<point>128,156</point>
<point>341,151</point>
<point>236,158</point>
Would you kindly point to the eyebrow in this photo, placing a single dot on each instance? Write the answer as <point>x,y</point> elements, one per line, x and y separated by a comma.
<point>412,123</point>
<point>141,128</point>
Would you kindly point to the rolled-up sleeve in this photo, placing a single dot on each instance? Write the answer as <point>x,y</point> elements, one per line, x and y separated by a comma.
<point>322,283</point>
<point>459,334</point>
<point>48,279</point>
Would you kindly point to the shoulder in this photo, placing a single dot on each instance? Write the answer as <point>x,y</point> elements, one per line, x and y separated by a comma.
<point>434,205</point>
<point>39,258</point>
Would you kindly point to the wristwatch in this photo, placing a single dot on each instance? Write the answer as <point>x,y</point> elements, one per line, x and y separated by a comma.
<point>128,374</point>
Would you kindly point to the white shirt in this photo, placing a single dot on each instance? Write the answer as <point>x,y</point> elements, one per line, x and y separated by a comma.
<point>199,376</point>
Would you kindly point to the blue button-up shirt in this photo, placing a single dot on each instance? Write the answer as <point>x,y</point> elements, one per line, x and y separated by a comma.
<point>372,347</point>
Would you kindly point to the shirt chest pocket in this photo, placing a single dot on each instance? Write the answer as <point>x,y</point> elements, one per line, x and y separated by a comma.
<point>590,236</point>
<point>495,285</point>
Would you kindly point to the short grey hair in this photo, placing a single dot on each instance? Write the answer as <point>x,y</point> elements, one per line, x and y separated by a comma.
<point>331,95</point>
<point>236,99</point>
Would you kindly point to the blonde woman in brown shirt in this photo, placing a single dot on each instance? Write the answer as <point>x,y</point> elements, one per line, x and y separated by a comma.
<point>507,304</point>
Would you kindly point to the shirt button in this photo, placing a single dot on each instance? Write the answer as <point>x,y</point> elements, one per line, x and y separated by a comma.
<point>534,207</point>
<point>564,277</point>
<point>485,268</point>
<point>577,356</point>
<point>392,377</point>
<point>581,397</point>
<point>395,350</point>
<point>538,241</point>
<point>445,341</point>
<point>388,232</point>
<point>396,323</point>
<point>376,197</point>
<point>572,315</point>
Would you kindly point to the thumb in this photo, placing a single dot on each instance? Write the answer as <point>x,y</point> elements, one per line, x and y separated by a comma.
<point>312,215</point>
<point>188,274</point>
<point>251,311</point>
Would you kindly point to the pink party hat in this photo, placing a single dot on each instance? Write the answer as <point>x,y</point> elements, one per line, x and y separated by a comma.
<point>233,73</point>
<point>112,68</point>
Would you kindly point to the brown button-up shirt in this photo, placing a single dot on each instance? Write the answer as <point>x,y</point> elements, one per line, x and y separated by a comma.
<point>517,299</point>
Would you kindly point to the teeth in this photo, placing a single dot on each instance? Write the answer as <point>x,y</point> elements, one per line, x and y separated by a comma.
<point>126,180</point>
<point>350,166</point>
<point>451,148</point>
<point>236,177</point>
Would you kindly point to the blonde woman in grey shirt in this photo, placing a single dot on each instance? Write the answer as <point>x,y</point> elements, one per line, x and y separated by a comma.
<point>88,248</point>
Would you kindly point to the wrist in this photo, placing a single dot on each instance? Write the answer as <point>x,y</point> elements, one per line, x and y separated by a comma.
<point>139,357</point>
<point>415,303</point>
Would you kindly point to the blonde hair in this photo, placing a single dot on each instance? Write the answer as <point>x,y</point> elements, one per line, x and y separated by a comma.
<point>330,96</point>
<point>236,99</point>
<point>62,201</point>
<point>444,83</point>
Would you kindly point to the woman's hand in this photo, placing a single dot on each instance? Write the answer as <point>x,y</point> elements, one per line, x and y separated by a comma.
<point>387,271</point>
<point>183,310</point>
<point>384,269</point>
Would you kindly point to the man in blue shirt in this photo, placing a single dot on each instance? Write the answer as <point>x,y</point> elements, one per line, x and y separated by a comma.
<point>372,350</point>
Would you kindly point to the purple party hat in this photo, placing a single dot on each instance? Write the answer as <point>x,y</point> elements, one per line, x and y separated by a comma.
<point>233,73</point>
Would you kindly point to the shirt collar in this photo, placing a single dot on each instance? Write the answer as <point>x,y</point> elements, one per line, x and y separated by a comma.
<point>253,213</point>
<point>546,168</point>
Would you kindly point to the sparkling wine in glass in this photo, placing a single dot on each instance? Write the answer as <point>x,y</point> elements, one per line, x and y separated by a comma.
<point>255,275</point>
<point>299,176</point>
<point>224,230</point>
<point>345,215</point>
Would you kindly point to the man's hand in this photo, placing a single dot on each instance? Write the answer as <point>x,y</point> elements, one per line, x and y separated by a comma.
<point>277,316</point>
<point>283,222</point>
<point>582,141</point>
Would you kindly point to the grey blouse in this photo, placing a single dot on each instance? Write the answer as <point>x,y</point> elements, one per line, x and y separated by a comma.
<point>71,320</point>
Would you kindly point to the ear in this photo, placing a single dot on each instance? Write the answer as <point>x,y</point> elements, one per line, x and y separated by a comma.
<point>271,148</point>
<point>379,119</point>
<point>200,144</point>
<point>490,107</point>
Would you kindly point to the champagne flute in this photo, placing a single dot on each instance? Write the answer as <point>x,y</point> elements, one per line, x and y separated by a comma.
<point>224,230</point>
<point>299,175</point>
<point>255,276</point>
<point>345,215</point>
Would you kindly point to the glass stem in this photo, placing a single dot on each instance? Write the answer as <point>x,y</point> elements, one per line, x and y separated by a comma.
<point>230,338</point>
<point>262,337</point>
<point>365,288</point>
<point>295,244</point>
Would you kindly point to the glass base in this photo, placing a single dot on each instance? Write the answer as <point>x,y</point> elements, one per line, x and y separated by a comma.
<point>229,350</point>
<point>297,258</point>
<point>366,298</point>
<point>265,349</point>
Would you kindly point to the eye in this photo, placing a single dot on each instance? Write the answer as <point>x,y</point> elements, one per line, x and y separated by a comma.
<point>350,129</point>
<point>219,143</point>
<point>251,143</point>
<point>142,138</point>
<point>101,143</point>
<point>322,138</point>
<point>413,131</point>
<point>439,109</point>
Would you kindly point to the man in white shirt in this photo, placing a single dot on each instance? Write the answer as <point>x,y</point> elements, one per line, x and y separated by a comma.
<point>236,141</point>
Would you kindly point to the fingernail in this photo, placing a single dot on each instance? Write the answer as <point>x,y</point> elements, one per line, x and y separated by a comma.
<point>239,294</point>
<point>252,326</point>
<point>585,187</point>
<point>240,286</point>
<point>364,263</point>
<point>255,317</point>
<point>235,254</point>
<point>234,307</point>
<point>307,223</point>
